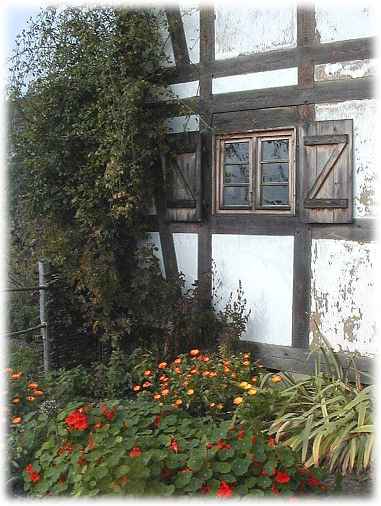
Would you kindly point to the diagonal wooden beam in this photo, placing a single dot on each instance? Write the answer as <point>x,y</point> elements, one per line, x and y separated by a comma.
<point>177,34</point>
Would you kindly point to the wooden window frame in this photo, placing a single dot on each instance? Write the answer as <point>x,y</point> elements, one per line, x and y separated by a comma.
<point>254,137</point>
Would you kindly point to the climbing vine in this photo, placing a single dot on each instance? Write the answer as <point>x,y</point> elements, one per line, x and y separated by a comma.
<point>86,136</point>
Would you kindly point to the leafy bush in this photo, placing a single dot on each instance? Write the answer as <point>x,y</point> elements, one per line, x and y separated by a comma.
<point>140,448</point>
<point>25,357</point>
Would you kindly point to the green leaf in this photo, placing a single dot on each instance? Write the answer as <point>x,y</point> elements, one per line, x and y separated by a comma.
<point>240,466</point>
<point>182,479</point>
<point>222,467</point>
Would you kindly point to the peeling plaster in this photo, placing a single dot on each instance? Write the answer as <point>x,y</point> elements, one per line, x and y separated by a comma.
<point>345,70</point>
<point>342,294</point>
<point>349,21</point>
<point>363,113</point>
<point>244,30</point>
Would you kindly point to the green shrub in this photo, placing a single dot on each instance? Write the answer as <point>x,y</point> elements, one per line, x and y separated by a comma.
<point>142,449</point>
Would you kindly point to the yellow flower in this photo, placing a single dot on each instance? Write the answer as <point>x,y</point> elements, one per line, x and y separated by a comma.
<point>276,378</point>
<point>252,391</point>
<point>237,401</point>
<point>190,391</point>
<point>243,384</point>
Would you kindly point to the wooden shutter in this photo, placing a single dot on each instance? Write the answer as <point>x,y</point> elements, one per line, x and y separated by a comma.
<point>327,171</point>
<point>183,178</point>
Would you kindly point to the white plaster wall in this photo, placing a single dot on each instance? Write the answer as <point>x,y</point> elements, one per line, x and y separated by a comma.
<point>348,20</point>
<point>345,70</point>
<point>264,264</point>
<point>191,21</point>
<point>180,124</point>
<point>343,301</point>
<point>241,28</point>
<point>186,248</point>
<point>256,80</point>
<point>363,113</point>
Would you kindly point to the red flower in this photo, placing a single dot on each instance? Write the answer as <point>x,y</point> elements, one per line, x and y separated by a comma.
<point>241,434</point>
<point>77,420</point>
<point>224,490</point>
<point>313,481</point>
<point>174,446</point>
<point>271,442</point>
<point>205,489</point>
<point>274,490</point>
<point>221,444</point>
<point>108,413</point>
<point>156,421</point>
<point>66,448</point>
<point>135,452</point>
<point>34,476</point>
<point>282,477</point>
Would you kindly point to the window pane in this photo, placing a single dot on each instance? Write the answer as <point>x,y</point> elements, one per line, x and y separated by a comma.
<point>274,196</point>
<point>236,174</point>
<point>236,152</point>
<point>275,150</point>
<point>274,172</point>
<point>236,196</point>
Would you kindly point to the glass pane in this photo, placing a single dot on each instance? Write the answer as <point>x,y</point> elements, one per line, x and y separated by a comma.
<point>275,150</point>
<point>236,152</point>
<point>274,172</point>
<point>236,196</point>
<point>236,174</point>
<point>274,196</point>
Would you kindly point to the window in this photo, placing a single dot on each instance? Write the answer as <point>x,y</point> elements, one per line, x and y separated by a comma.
<point>255,172</point>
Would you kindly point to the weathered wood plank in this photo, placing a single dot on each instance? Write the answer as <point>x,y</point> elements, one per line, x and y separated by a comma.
<point>177,34</point>
<point>244,121</point>
<point>313,140</point>
<point>299,360</point>
<point>323,203</point>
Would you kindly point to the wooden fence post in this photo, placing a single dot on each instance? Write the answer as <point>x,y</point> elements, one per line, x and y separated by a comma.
<point>42,271</point>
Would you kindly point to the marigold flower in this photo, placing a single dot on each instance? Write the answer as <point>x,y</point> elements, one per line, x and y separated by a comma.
<point>77,420</point>
<point>16,400</point>
<point>224,490</point>
<point>241,434</point>
<point>226,369</point>
<point>38,393</point>
<point>212,374</point>
<point>165,392</point>
<point>135,452</point>
<point>177,361</point>
<point>190,391</point>
<point>16,420</point>
<point>205,359</point>
<point>162,365</point>
<point>30,398</point>
<point>276,378</point>
<point>32,386</point>
<point>252,391</point>
<point>254,379</point>
<point>205,374</point>
<point>147,373</point>
<point>243,384</point>
<point>163,378</point>
<point>147,384</point>
<point>238,400</point>
<point>194,370</point>
<point>16,375</point>
<point>246,355</point>
<point>157,397</point>
<point>281,477</point>
<point>212,404</point>
<point>178,402</point>
<point>177,370</point>
<point>194,353</point>
<point>136,388</point>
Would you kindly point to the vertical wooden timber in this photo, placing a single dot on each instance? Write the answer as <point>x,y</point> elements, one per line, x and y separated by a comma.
<point>177,34</point>
<point>301,303</point>
<point>207,56</point>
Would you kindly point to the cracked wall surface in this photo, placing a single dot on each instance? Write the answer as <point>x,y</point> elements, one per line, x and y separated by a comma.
<point>342,294</point>
<point>363,113</point>
<point>345,70</point>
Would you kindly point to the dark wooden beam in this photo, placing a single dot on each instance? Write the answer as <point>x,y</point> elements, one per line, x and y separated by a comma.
<point>299,360</point>
<point>177,34</point>
<point>306,36</point>
<point>332,52</point>
<point>361,230</point>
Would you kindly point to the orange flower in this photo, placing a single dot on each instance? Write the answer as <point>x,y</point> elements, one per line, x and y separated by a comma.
<point>185,384</point>
<point>136,388</point>
<point>157,397</point>
<point>234,375</point>
<point>238,400</point>
<point>226,369</point>
<point>245,362</point>
<point>147,384</point>
<point>212,404</point>
<point>226,363</point>
<point>177,361</point>
<point>212,374</point>
<point>178,402</point>
<point>16,420</point>
<point>194,353</point>
<point>38,393</point>
<point>33,386</point>
<point>194,371</point>
<point>271,442</point>
<point>205,359</point>
<point>30,398</point>
<point>276,378</point>
<point>190,391</point>
<point>220,405</point>
<point>162,365</point>
<point>177,370</point>
<point>165,392</point>
<point>205,374</point>
<point>16,375</point>
<point>254,379</point>
<point>98,425</point>
<point>16,400</point>
<point>135,452</point>
<point>246,355</point>
<point>163,378</point>
<point>147,373</point>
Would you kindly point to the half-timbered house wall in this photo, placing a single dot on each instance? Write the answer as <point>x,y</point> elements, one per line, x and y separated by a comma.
<point>246,68</point>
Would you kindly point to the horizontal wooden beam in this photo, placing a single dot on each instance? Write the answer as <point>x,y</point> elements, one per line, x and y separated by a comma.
<point>332,52</point>
<point>299,360</point>
<point>318,140</point>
